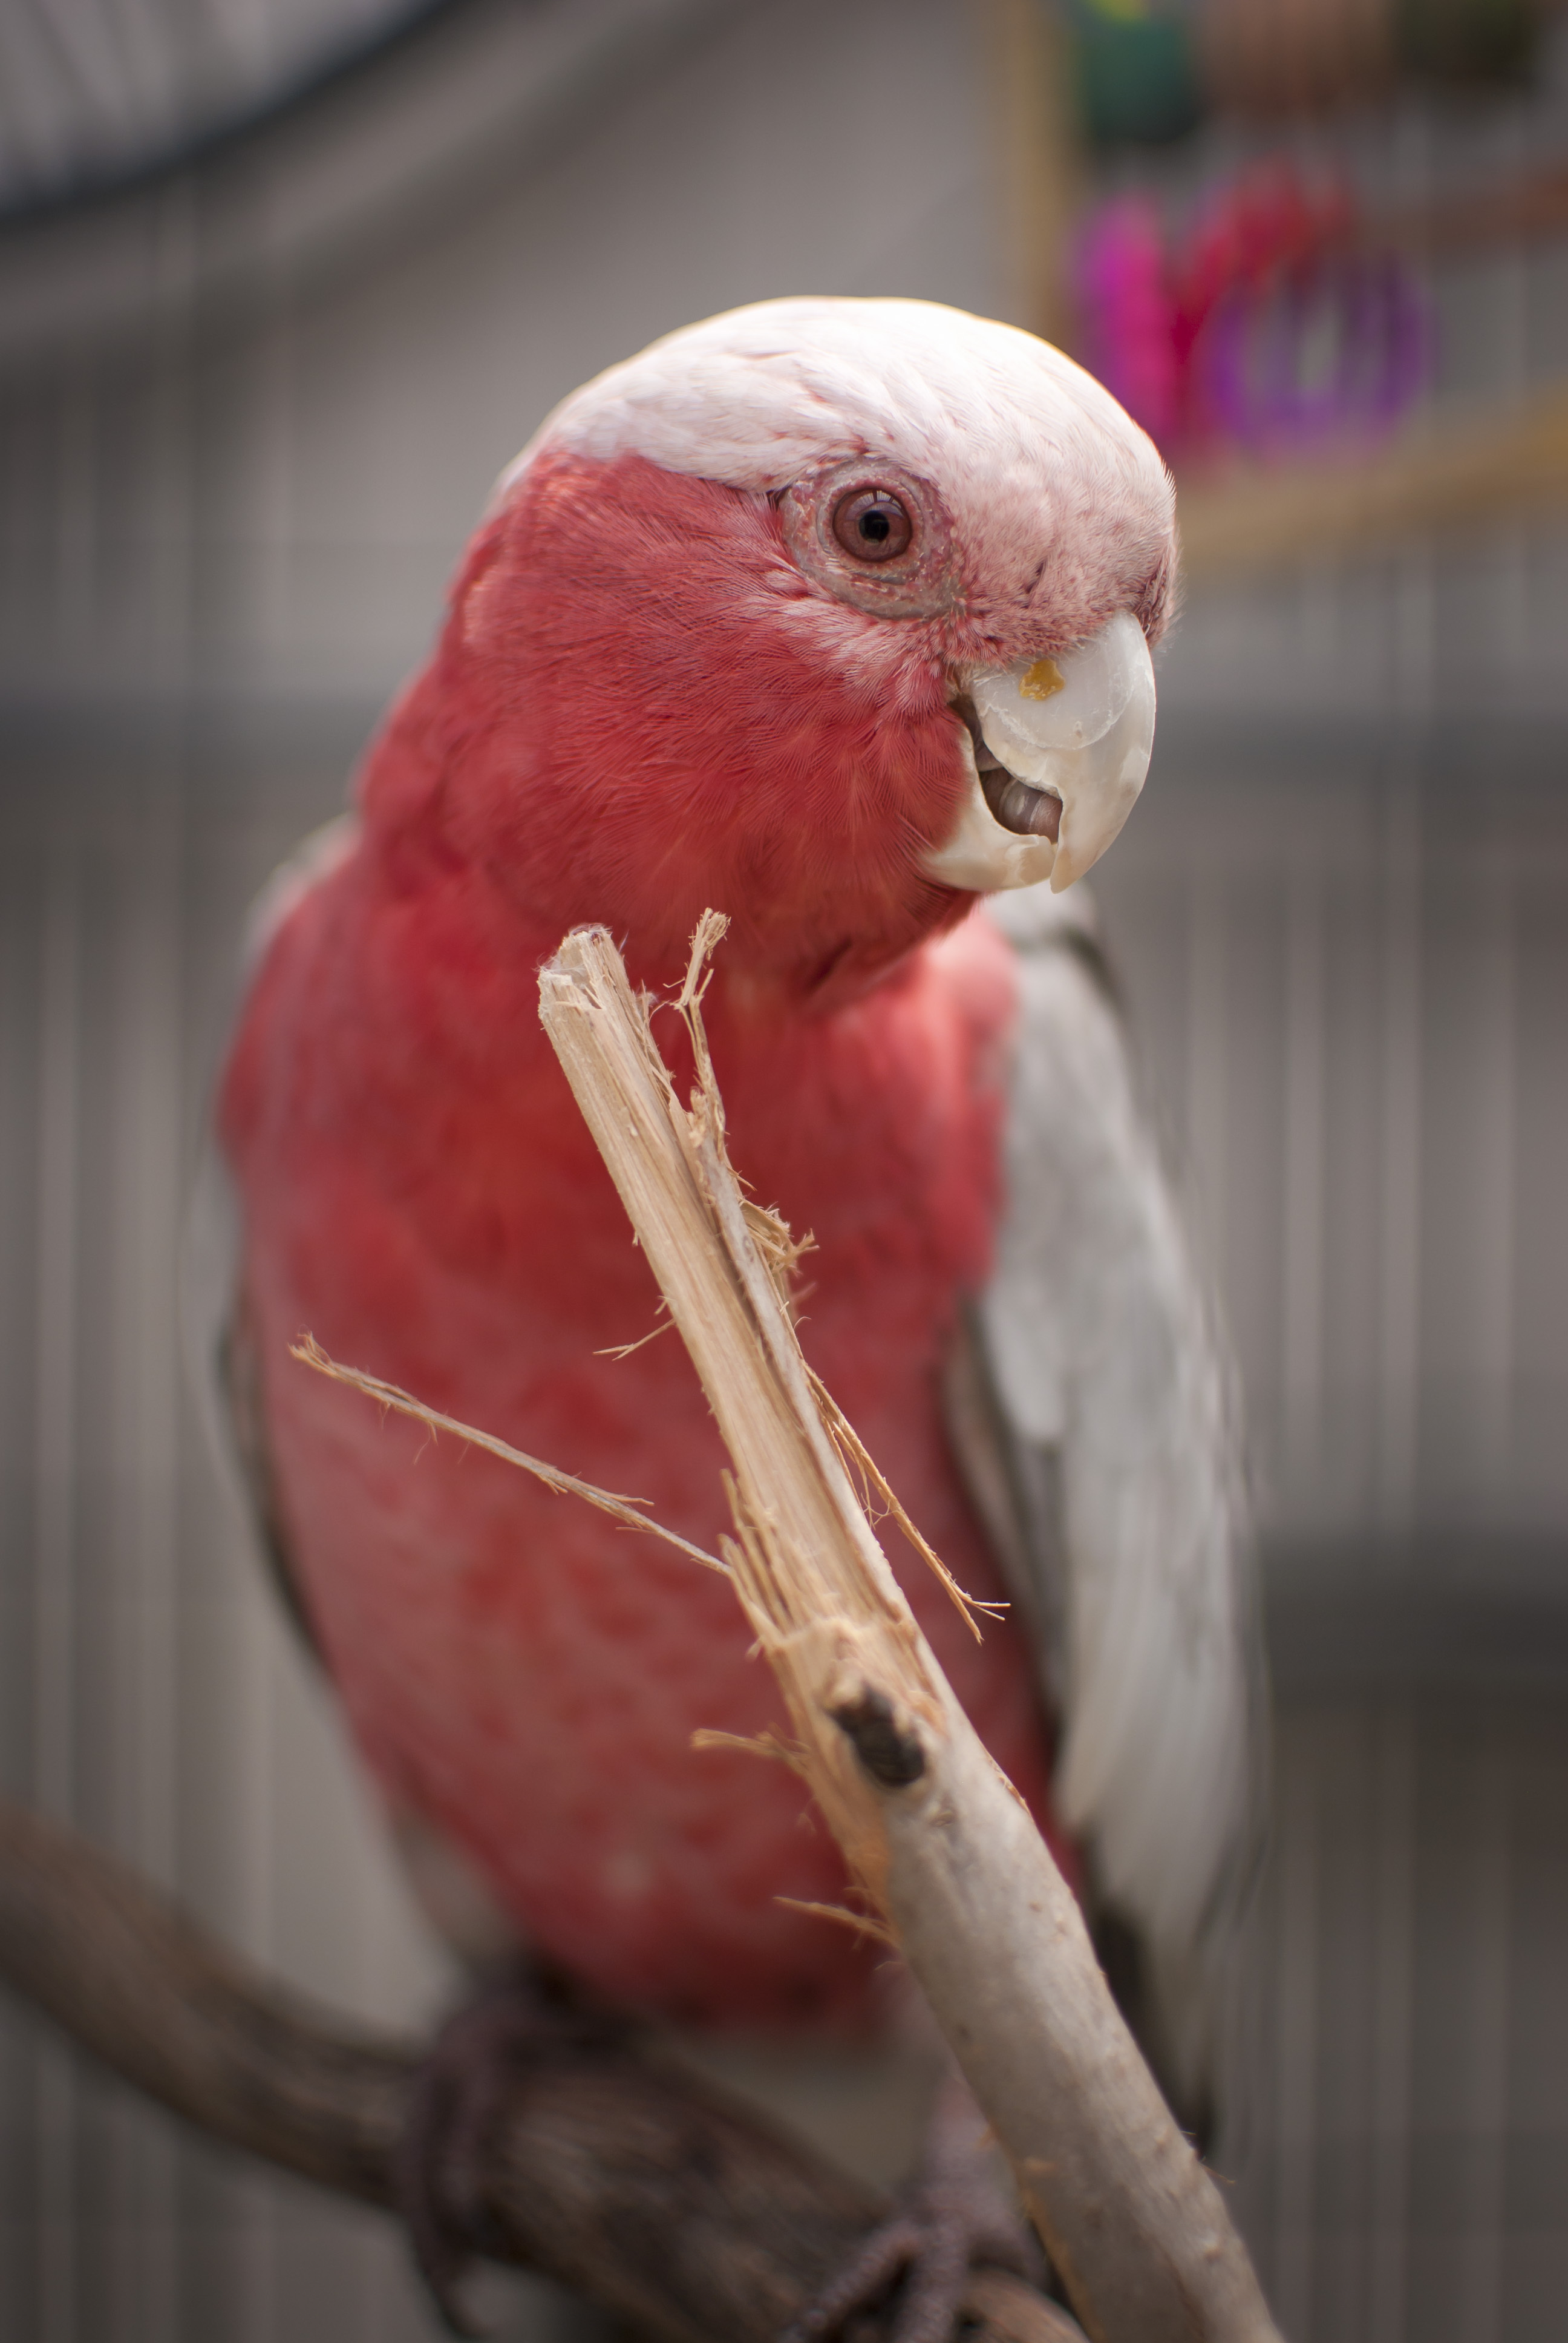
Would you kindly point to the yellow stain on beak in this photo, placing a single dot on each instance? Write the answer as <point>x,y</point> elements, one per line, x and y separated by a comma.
<point>1043,680</point>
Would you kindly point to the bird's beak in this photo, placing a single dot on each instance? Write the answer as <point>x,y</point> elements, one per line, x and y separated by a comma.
<point>1058,750</point>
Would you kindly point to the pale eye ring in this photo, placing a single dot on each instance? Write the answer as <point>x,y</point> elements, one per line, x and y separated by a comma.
<point>870,534</point>
<point>872,524</point>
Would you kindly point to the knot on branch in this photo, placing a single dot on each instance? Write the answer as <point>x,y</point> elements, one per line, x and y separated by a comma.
<point>888,1752</point>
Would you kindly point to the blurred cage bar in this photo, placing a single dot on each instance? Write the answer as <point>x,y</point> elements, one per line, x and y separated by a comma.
<point>247,412</point>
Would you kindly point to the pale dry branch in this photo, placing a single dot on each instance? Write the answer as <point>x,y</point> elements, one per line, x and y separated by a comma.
<point>750,1745</point>
<point>936,1838</point>
<point>623,1510</point>
<point>626,1350</point>
<point>862,1923</point>
<point>854,1453</point>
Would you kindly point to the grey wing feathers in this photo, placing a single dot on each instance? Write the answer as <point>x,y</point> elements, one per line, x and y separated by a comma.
<point>1115,1496</point>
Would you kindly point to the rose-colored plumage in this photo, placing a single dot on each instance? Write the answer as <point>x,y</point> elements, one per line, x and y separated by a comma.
<point>639,706</point>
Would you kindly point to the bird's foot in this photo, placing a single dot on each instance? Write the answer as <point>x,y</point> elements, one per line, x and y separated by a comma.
<point>951,2217</point>
<point>509,2027</point>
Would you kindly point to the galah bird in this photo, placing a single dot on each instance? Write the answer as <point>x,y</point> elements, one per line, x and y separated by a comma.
<point>836,616</point>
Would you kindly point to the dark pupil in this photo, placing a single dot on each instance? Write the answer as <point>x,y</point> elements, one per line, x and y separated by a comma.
<point>876,526</point>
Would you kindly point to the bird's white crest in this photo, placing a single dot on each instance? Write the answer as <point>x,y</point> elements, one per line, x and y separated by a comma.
<point>755,397</point>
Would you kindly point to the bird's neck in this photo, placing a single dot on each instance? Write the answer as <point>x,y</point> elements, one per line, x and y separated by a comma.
<point>639,711</point>
<point>810,931</point>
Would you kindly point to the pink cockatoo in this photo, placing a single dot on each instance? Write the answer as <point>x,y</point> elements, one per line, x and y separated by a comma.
<point>834,615</point>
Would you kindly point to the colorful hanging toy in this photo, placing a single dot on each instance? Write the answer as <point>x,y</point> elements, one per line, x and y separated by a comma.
<point>1272,322</point>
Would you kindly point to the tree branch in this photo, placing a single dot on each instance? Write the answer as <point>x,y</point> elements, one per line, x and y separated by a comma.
<point>938,1839</point>
<point>647,2190</point>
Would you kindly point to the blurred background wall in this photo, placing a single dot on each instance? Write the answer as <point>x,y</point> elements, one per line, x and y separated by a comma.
<point>280,292</point>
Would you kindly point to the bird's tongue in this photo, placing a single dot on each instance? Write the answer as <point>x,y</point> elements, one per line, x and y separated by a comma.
<point>1028,813</point>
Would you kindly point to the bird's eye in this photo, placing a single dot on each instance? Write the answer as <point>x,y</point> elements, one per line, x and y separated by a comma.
<point>872,525</point>
<point>879,540</point>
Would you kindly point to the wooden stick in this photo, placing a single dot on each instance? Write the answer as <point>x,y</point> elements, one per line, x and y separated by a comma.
<point>613,2169</point>
<point>1468,472</point>
<point>933,1832</point>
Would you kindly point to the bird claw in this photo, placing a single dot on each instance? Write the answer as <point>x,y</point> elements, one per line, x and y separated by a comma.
<point>461,2094</point>
<point>931,2243</point>
<point>951,2218</point>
